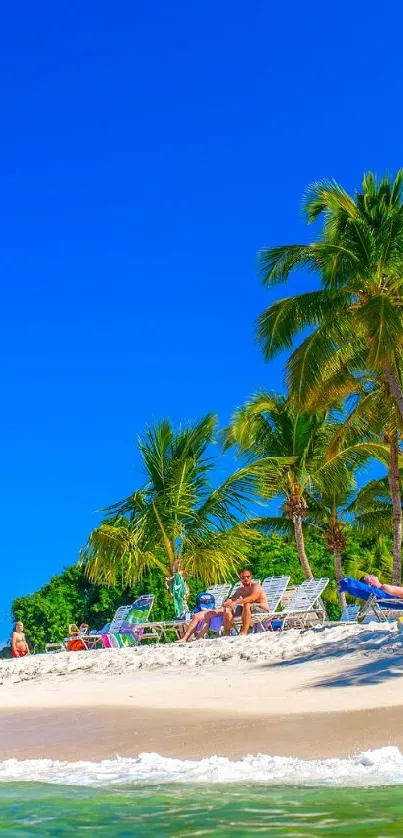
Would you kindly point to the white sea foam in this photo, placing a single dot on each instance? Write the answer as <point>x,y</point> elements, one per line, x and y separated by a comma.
<point>380,767</point>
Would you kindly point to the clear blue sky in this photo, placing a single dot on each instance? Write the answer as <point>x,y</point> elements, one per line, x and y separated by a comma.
<point>148,150</point>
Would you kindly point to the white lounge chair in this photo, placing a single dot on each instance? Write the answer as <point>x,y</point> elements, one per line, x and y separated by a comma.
<point>220,593</point>
<point>305,605</point>
<point>350,614</point>
<point>239,585</point>
<point>274,588</point>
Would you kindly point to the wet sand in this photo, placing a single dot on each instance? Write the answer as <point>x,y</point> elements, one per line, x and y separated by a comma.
<point>103,733</point>
<point>313,694</point>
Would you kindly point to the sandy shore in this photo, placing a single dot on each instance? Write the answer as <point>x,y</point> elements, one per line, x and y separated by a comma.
<point>312,694</point>
<point>105,733</point>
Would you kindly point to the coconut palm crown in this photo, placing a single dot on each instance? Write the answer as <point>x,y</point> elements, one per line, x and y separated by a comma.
<point>356,317</point>
<point>304,446</point>
<point>177,514</point>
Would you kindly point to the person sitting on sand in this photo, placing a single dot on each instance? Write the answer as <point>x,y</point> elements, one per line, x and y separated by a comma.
<point>19,645</point>
<point>392,590</point>
<point>248,598</point>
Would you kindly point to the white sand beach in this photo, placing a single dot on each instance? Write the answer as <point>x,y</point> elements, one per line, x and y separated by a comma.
<point>317,693</point>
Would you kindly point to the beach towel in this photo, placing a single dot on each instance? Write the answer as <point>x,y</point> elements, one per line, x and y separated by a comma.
<point>179,592</point>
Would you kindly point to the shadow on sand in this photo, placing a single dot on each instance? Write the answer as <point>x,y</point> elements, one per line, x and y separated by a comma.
<point>387,663</point>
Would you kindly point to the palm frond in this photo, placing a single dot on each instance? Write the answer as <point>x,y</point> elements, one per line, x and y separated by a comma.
<point>281,323</point>
<point>327,196</point>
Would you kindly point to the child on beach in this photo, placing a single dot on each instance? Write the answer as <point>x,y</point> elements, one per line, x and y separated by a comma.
<point>19,645</point>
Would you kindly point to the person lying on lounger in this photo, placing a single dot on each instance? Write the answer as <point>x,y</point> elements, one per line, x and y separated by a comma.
<point>392,590</point>
<point>247,599</point>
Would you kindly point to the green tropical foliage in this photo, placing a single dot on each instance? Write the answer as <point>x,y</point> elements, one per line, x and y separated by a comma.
<point>71,598</point>
<point>355,317</point>
<point>372,412</point>
<point>304,449</point>
<point>177,514</point>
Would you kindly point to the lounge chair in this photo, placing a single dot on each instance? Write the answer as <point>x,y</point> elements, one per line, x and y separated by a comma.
<point>78,640</point>
<point>220,593</point>
<point>178,626</point>
<point>130,624</point>
<point>374,600</point>
<point>350,614</point>
<point>305,606</point>
<point>239,585</point>
<point>274,588</point>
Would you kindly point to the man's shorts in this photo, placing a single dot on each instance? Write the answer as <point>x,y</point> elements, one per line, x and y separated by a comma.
<point>255,609</point>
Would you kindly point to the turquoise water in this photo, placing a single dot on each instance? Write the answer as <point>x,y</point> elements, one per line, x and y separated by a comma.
<point>175,810</point>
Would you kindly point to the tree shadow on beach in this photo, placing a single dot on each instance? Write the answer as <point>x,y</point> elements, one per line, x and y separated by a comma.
<point>370,672</point>
<point>369,641</point>
<point>384,660</point>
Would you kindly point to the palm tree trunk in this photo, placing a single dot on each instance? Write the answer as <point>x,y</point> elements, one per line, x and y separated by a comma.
<point>299,540</point>
<point>394,388</point>
<point>339,573</point>
<point>394,483</point>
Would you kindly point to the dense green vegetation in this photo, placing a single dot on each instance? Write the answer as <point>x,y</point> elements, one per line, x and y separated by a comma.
<point>343,408</point>
<point>177,514</point>
<point>71,598</point>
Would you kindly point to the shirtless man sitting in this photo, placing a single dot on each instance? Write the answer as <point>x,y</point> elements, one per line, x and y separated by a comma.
<point>19,646</point>
<point>392,590</point>
<point>249,597</point>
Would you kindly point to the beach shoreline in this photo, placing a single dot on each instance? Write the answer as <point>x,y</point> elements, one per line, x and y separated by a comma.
<point>94,734</point>
<point>311,694</point>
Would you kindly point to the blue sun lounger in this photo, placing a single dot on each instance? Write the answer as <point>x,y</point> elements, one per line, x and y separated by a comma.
<point>383,606</point>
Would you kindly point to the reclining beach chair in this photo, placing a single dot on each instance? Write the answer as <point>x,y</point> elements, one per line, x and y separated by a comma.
<point>78,640</point>
<point>375,601</point>
<point>239,585</point>
<point>130,624</point>
<point>305,606</point>
<point>274,588</point>
<point>350,614</point>
<point>220,593</point>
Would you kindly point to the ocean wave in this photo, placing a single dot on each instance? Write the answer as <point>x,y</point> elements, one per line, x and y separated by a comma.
<point>380,767</point>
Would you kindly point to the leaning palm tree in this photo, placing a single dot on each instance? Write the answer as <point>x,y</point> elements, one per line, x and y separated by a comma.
<point>356,318</point>
<point>177,515</point>
<point>372,413</point>
<point>269,429</point>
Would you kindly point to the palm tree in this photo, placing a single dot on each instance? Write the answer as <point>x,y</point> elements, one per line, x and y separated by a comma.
<point>328,510</point>
<point>373,414</point>
<point>356,318</point>
<point>177,515</point>
<point>271,431</point>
